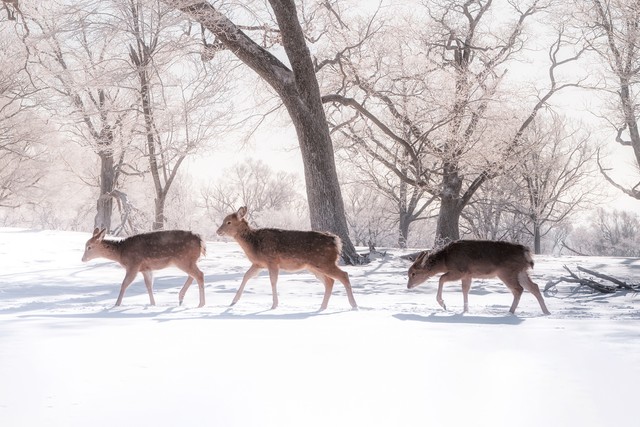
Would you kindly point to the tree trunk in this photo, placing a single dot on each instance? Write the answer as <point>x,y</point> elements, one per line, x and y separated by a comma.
<point>326,206</point>
<point>403,229</point>
<point>107,183</point>
<point>451,205</point>
<point>158,222</point>
<point>537,247</point>
<point>299,90</point>
<point>448,228</point>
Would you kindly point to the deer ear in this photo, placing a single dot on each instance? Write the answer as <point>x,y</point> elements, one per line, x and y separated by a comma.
<point>424,256</point>
<point>242,212</point>
<point>101,234</point>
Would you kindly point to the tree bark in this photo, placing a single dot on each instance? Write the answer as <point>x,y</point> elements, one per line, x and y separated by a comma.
<point>299,91</point>
<point>107,185</point>
<point>451,205</point>
<point>537,247</point>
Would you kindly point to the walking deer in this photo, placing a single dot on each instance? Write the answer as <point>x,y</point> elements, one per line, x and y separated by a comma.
<point>288,250</point>
<point>148,252</point>
<point>468,259</point>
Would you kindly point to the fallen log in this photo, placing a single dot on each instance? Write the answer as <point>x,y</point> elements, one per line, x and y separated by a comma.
<point>600,287</point>
<point>620,283</point>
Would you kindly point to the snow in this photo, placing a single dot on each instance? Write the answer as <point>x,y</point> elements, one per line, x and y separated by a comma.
<point>69,358</point>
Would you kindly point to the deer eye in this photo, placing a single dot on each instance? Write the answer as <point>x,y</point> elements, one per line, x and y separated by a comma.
<point>228,222</point>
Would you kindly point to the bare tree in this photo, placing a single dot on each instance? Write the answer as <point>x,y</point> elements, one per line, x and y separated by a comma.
<point>74,57</point>
<point>22,152</point>
<point>609,233</point>
<point>446,126</point>
<point>557,176</point>
<point>490,215</point>
<point>180,114</point>
<point>611,27</point>
<point>254,184</point>
<point>297,86</point>
<point>401,204</point>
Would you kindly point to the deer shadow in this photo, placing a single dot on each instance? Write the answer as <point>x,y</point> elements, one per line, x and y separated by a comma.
<point>460,318</point>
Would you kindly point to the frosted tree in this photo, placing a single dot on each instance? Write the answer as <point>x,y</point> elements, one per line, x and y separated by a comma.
<point>371,217</point>
<point>556,175</point>
<point>611,27</point>
<point>182,102</point>
<point>74,59</point>
<point>22,152</point>
<point>253,183</point>
<point>436,107</point>
<point>296,84</point>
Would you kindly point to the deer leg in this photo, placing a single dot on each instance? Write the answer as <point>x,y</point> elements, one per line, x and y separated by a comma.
<point>343,277</point>
<point>466,286</point>
<point>148,282</point>
<point>515,288</point>
<point>446,277</point>
<point>526,282</point>
<point>128,278</point>
<point>184,289</point>
<point>251,272</point>
<point>200,279</point>
<point>273,276</point>
<point>196,274</point>
<point>328,287</point>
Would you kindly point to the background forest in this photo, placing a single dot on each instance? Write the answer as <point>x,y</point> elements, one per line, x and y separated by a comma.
<point>392,123</point>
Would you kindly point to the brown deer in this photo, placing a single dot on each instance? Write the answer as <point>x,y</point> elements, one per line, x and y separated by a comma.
<point>287,250</point>
<point>468,259</point>
<point>151,251</point>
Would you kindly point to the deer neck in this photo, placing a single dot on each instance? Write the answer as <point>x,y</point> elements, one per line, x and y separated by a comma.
<point>112,250</point>
<point>246,238</point>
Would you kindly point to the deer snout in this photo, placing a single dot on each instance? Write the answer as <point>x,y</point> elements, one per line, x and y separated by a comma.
<point>411,283</point>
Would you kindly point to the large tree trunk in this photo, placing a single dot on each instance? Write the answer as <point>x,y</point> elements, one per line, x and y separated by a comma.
<point>107,184</point>
<point>403,229</point>
<point>298,88</point>
<point>158,222</point>
<point>451,205</point>
<point>537,238</point>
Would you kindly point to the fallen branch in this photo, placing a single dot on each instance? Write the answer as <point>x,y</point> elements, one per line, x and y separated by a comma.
<point>601,287</point>
<point>620,283</point>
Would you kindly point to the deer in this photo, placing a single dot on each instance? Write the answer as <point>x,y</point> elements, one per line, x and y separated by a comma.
<point>289,250</point>
<point>467,259</point>
<point>148,252</point>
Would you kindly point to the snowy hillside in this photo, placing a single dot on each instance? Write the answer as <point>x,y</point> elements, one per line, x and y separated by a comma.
<point>69,358</point>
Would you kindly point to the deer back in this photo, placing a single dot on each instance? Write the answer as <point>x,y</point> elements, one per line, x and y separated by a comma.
<point>476,258</point>
<point>152,250</point>
<point>290,248</point>
<point>486,257</point>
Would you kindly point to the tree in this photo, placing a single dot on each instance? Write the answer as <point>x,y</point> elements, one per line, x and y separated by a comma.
<point>368,215</point>
<point>299,91</point>
<point>22,152</point>
<point>179,115</point>
<point>609,233</point>
<point>402,204</point>
<point>253,183</point>
<point>555,175</point>
<point>611,27</point>
<point>446,124</point>
<point>79,71</point>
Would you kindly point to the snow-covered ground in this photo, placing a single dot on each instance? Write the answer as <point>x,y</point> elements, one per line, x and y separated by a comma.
<point>69,358</point>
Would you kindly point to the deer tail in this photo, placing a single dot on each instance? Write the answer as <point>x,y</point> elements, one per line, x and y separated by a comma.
<point>528,257</point>
<point>203,246</point>
<point>338,242</point>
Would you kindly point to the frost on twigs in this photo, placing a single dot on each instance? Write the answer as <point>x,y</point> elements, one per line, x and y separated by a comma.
<point>591,282</point>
